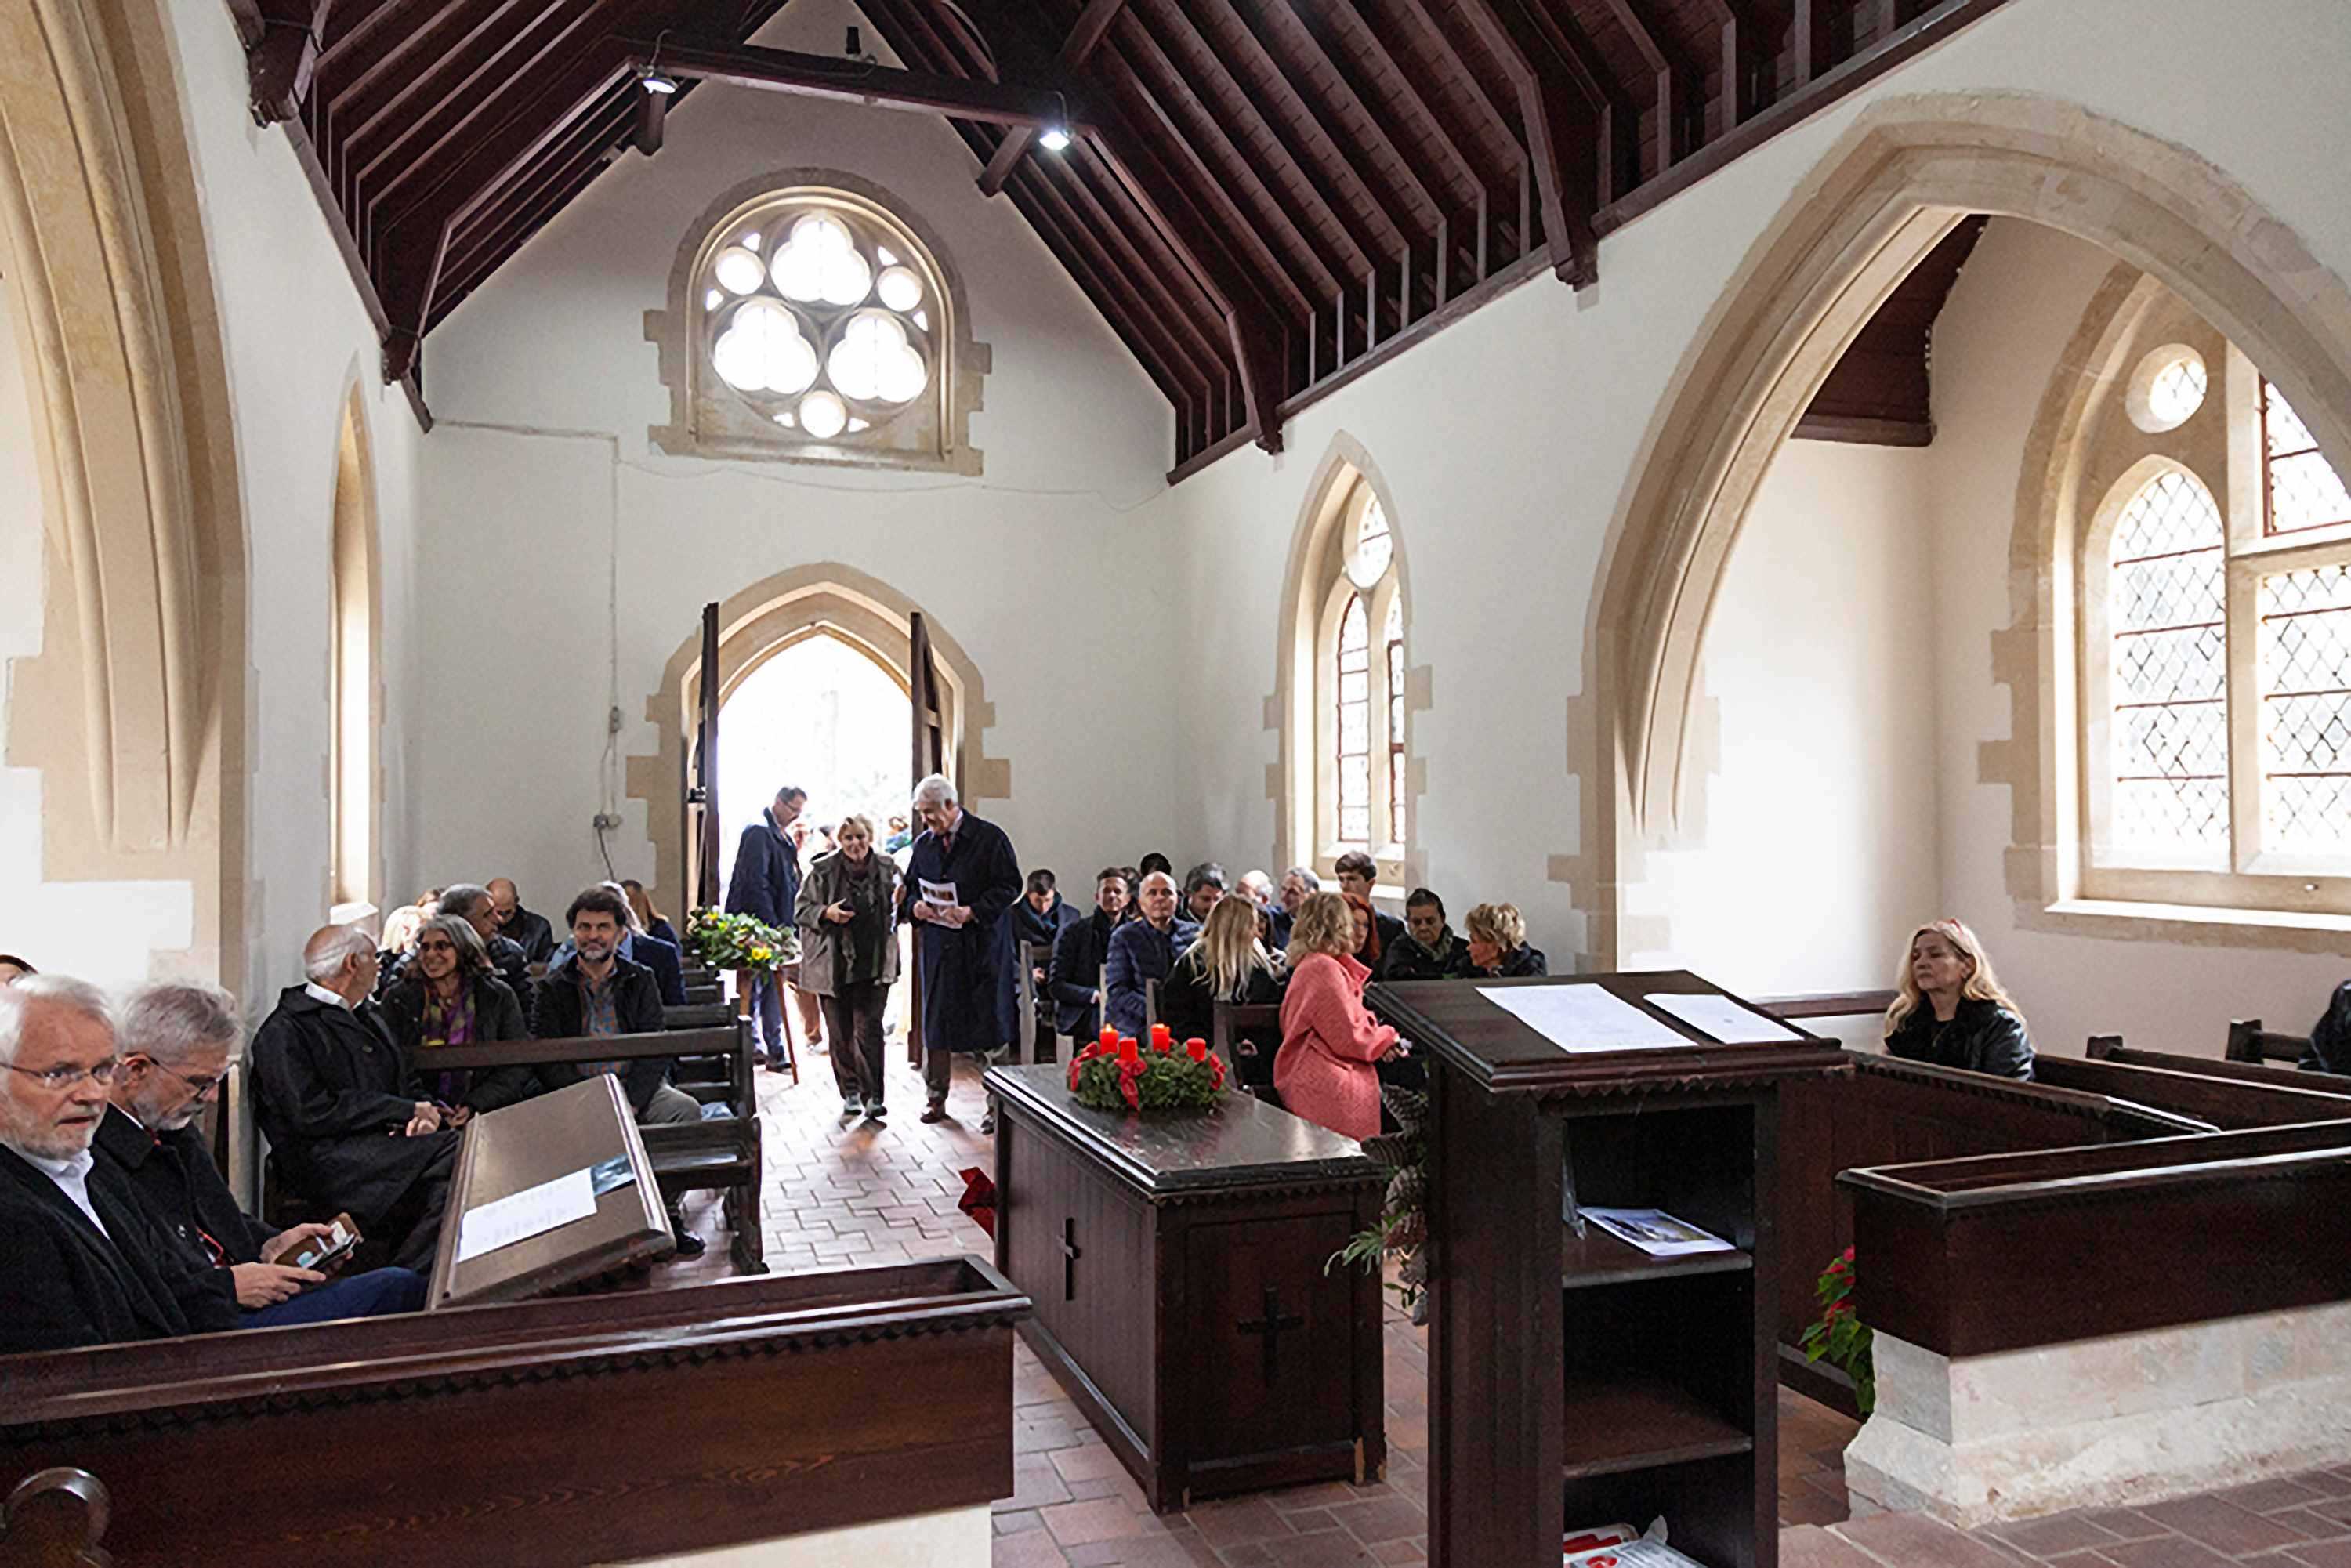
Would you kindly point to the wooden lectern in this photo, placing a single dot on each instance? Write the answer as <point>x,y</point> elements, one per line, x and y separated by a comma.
<point>1580,1380</point>
<point>579,1127</point>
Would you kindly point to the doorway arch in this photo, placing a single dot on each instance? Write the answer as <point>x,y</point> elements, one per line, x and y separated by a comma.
<point>1893,185</point>
<point>758,622</point>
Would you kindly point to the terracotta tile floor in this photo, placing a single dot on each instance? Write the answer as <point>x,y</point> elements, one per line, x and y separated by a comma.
<point>846,1194</point>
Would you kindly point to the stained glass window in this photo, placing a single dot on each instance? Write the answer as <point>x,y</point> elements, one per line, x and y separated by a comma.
<point>1354,693</point>
<point>2167,591</point>
<point>2302,488</point>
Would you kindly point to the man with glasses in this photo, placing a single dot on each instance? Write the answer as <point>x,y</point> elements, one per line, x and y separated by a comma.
<point>175,1042</point>
<point>80,1264</point>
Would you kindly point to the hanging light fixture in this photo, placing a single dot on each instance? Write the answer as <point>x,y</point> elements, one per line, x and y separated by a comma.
<point>651,77</point>
<point>1055,136</point>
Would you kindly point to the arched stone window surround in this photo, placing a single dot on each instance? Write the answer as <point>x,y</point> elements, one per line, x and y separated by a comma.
<point>139,692</point>
<point>1907,169</point>
<point>694,432</point>
<point>355,688</point>
<point>759,621</point>
<point>1303,784</point>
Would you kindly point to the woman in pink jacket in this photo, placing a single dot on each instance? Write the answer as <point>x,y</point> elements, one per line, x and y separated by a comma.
<point>1329,1041</point>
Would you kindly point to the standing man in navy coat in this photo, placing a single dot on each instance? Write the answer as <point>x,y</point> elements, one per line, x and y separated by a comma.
<point>961,876</point>
<point>766,885</point>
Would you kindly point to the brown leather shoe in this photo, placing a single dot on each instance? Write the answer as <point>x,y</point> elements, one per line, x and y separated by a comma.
<point>935,1111</point>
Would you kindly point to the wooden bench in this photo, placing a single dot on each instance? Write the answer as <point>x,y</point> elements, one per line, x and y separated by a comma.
<point>1034,1002</point>
<point>2221,1104</point>
<point>2110,1047</point>
<point>727,1415</point>
<point>686,1157</point>
<point>2249,1041</point>
<point>703,995</point>
<point>1230,1021</point>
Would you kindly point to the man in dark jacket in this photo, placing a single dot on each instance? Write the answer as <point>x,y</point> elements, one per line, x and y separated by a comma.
<point>961,877</point>
<point>765,885</point>
<point>1037,919</point>
<point>530,932</point>
<point>1143,951</point>
<point>175,1040</point>
<point>1079,955</point>
<point>343,1112</point>
<point>595,991</point>
<point>644,949</point>
<point>79,1264</point>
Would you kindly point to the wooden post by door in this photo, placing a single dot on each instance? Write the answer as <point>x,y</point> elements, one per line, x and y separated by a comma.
<point>701,871</point>
<point>929,757</point>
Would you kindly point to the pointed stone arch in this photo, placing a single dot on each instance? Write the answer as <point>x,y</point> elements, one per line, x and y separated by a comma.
<point>1896,181</point>
<point>759,621</point>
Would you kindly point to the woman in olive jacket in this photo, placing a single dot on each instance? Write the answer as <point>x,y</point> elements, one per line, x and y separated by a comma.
<point>452,995</point>
<point>1951,1010</point>
<point>847,917</point>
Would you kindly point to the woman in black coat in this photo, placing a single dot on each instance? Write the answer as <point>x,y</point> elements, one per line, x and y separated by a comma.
<point>1227,963</point>
<point>1495,947</point>
<point>452,997</point>
<point>1953,1011</point>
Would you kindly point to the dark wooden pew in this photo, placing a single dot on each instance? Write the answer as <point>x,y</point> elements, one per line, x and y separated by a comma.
<point>723,1153</point>
<point>594,1429</point>
<point>1260,1022</point>
<point>1963,1254</point>
<point>2223,1102</point>
<point>2110,1047</point>
<point>2249,1041</point>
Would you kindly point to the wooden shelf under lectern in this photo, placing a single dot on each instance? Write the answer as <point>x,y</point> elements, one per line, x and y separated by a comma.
<point>1575,1380</point>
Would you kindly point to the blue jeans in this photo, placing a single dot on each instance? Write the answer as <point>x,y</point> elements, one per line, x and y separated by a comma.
<point>768,1011</point>
<point>373,1294</point>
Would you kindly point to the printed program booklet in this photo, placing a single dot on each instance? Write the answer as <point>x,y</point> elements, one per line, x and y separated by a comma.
<point>1655,1232</point>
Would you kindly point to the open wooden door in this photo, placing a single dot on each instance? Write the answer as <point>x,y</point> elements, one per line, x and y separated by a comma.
<point>930,755</point>
<point>701,796</point>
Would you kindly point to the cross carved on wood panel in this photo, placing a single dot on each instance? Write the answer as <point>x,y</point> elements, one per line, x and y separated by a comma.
<point>1271,1326</point>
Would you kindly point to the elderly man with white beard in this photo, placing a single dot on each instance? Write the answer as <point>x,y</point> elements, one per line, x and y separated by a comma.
<point>175,1041</point>
<point>80,1264</point>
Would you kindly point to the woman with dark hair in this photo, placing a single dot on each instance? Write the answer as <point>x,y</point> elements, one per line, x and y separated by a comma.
<point>1369,947</point>
<point>451,995</point>
<point>1951,1010</point>
<point>1428,950</point>
<point>1228,963</point>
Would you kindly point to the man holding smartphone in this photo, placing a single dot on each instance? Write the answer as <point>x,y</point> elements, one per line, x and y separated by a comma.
<point>175,1040</point>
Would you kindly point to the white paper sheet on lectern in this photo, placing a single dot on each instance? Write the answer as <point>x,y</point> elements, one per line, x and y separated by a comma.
<point>520,1216</point>
<point>1581,1018</point>
<point>1721,1018</point>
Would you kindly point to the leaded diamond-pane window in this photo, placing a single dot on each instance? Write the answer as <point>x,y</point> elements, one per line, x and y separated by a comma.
<point>2306,684</point>
<point>2167,589</point>
<point>2303,487</point>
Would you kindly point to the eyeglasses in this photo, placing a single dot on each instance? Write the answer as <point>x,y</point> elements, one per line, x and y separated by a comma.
<point>63,1076</point>
<point>203,1086</point>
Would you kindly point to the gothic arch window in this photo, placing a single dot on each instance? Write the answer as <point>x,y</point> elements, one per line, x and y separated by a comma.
<point>2213,612</point>
<point>1351,779</point>
<point>355,640</point>
<point>811,319</point>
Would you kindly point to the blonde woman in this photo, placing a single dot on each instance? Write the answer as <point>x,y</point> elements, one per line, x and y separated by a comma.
<point>1495,948</point>
<point>1227,964</point>
<point>1329,1041</point>
<point>1953,1011</point>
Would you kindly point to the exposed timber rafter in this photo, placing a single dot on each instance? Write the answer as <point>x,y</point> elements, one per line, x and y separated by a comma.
<point>281,52</point>
<point>1563,136</point>
<point>1035,104</point>
<point>1094,22</point>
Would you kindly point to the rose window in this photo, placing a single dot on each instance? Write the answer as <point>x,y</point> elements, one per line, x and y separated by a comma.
<point>817,321</point>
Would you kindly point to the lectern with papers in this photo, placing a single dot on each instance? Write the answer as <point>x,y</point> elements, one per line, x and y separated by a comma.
<point>547,1194</point>
<point>1576,1378</point>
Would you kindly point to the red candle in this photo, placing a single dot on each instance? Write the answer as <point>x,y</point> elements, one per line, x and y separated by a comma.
<point>1162,1037</point>
<point>1197,1049</point>
<point>1127,1051</point>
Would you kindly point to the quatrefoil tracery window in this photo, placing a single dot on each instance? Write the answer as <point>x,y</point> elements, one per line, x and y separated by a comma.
<point>811,321</point>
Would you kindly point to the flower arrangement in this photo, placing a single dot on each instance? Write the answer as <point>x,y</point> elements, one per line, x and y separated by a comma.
<point>1115,1073</point>
<point>1403,1227</point>
<point>740,942</point>
<point>1840,1338</point>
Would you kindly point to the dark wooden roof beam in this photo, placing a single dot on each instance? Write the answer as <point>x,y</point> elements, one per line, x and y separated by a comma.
<point>1094,22</point>
<point>1407,151</point>
<point>1032,104</point>
<point>1454,138</point>
<point>1743,41</point>
<point>1676,85</point>
<point>1813,41</point>
<point>281,53</point>
<point>1563,136</point>
<point>1201,355</point>
<point>1092,190</point>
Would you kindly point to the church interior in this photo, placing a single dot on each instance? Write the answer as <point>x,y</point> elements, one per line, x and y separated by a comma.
<point>1750,510</point>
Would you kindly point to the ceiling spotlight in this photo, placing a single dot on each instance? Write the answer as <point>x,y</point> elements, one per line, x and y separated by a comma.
<point>1055,136</point>
<point>654,80</point>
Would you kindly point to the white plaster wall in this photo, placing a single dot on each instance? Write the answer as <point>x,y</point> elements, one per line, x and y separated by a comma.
<point>1509,440</point>
<point>101,931</point>
<point>2014,308</point>
<point>541,493</point>
<point>1820,823</point>
<point>296,338</point>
